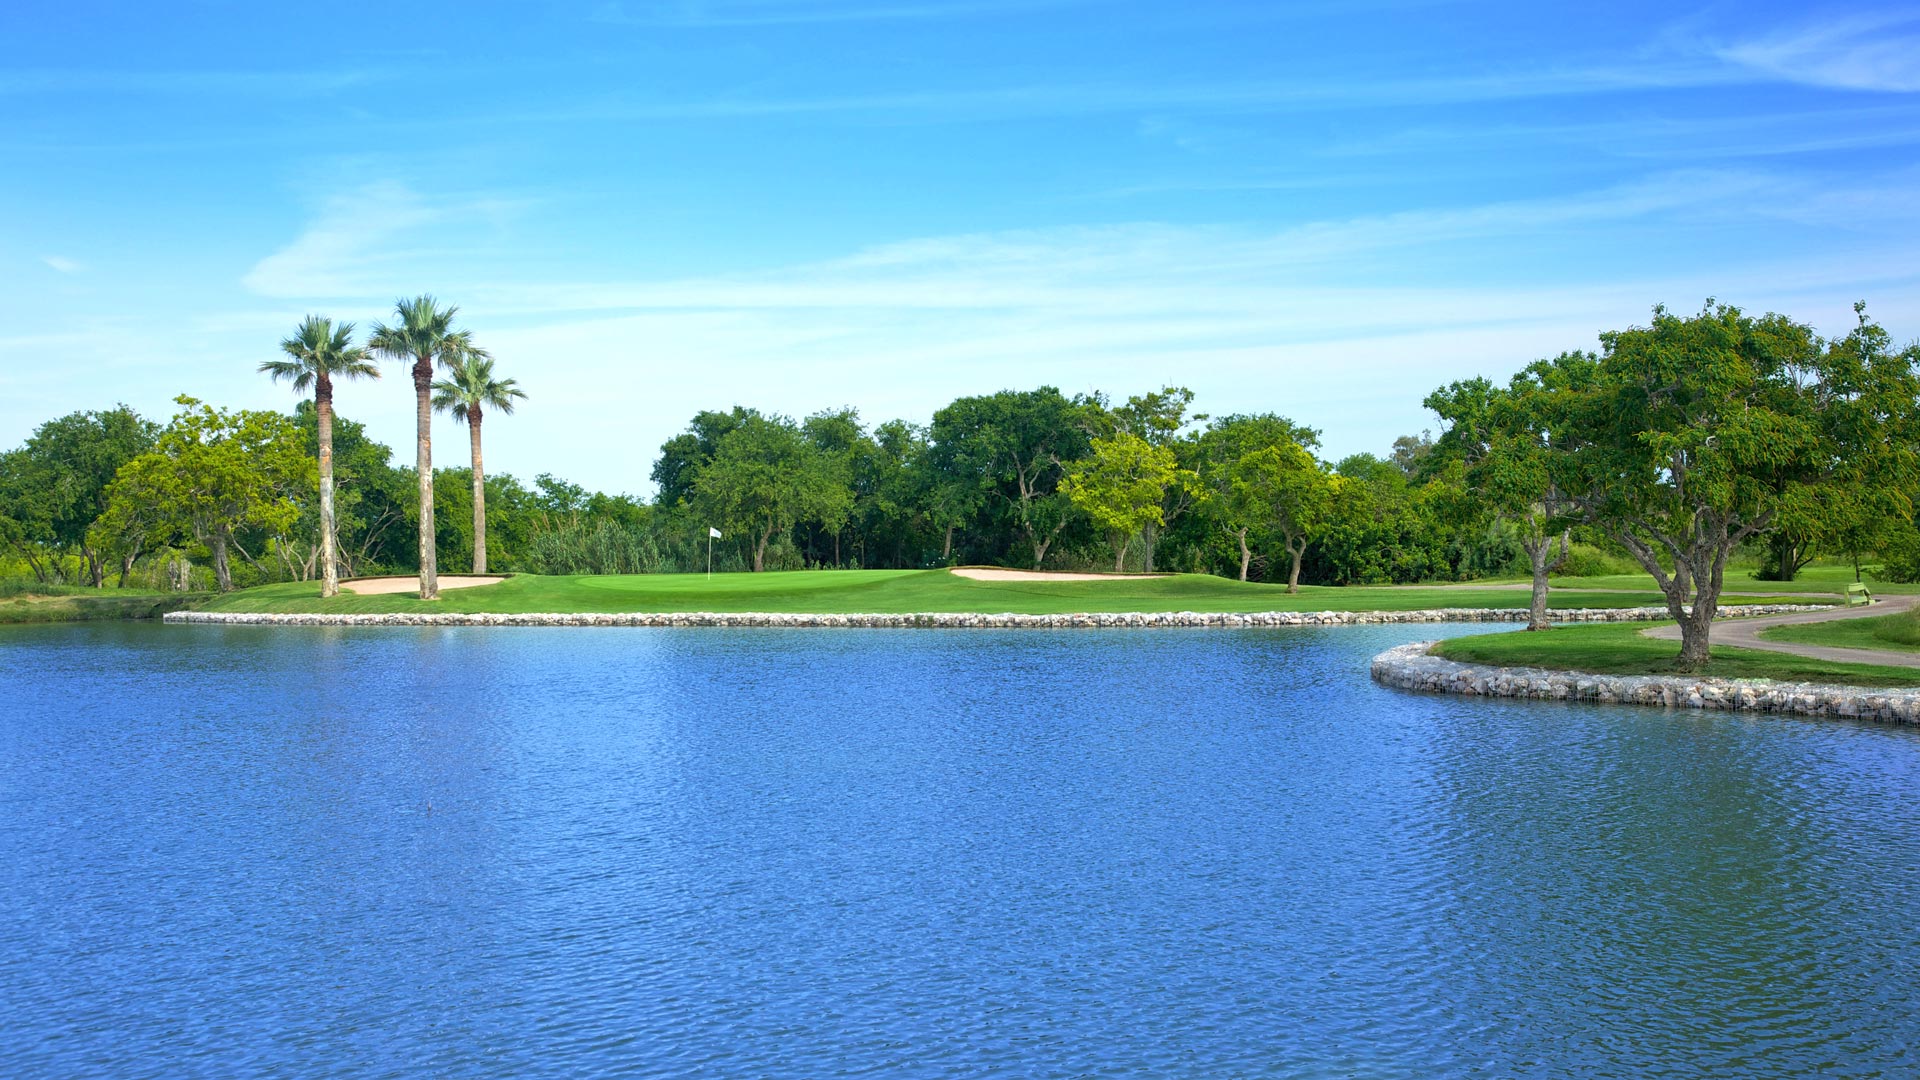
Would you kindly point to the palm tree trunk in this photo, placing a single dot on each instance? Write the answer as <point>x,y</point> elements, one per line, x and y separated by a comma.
<point>479,494</point>
<point>329,563</point>
<point>423,462</point>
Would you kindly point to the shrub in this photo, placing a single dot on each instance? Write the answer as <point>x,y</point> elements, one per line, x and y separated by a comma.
<point>1585,560</point>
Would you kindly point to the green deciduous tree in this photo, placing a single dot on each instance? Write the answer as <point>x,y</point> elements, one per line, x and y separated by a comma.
<point>682,456</point>
<point>54,488</point>
<point>1220,449</point>
<point>1160,418</point>
<point>1688,436</point>
<point>468,392</point>
<point>763,478</point>
<point>1010,447</point>
<point>844,448</point>
<point>1506,449</point>
<point>1121,485</point>
<point>318,353</point>
<point>212,473</point>
<point>1282,485</point>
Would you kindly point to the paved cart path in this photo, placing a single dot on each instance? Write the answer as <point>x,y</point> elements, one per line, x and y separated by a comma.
<point>1745,634</point>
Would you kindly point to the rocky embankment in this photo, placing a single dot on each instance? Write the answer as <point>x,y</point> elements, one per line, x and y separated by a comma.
<point>935,620</point>
<point>1410,667</point>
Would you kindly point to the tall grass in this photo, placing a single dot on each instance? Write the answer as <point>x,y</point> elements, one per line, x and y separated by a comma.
<point>602,547</point>
<point>1901,629</point>
<point>25,586</point>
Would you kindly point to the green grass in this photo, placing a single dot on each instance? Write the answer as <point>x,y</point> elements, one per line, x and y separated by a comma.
<point>1831,580</point>
<point>1894,633</point>
<point>895,591</point>
<point>88,606</point>
<point>1619,649</point>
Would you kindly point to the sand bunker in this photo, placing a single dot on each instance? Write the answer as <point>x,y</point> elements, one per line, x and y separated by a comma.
<point>375,586</point>
<point>987,573</point>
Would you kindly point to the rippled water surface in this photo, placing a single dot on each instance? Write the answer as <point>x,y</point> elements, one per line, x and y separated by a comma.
<point>731,853</point>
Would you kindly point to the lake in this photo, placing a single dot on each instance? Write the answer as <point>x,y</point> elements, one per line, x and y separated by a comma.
<point>810,853</point>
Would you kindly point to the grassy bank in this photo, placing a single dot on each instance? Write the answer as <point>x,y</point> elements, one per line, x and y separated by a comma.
<point>900,591</point>
<point>1827,582</point>
<point>1894,633</point>
<point>1619,649</point>
<point>90,605</point>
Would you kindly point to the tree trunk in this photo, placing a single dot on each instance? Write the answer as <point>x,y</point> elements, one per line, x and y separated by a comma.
<point>1040,545</point>
<point>126,565</point>
<point>1120,552</point>
<point>1537,609</point>
<point>96,570</point>
<point>1149,538</point>
<point>1698,575</point>
<point>1696,637</point>
<point>946,550</point>
<point>222,570</point>
<point>1246,553</point>
<point>423,462</point>
<point>1296,550</point>
<point>329,556</point>
<point>1538,548</point>
<point>479,494</point>
<point>760,551</point>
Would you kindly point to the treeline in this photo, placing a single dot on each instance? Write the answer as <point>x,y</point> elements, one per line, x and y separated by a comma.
<point>112,498</point>
<point>1035,478</point>
<point>219,498</point>
<point>1673,448</point>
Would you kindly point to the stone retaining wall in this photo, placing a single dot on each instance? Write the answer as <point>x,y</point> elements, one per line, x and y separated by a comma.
<point>1410,667</point>
<point>938,620</point>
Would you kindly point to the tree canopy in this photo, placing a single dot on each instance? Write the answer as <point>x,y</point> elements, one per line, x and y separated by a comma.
<point>1686,437</point>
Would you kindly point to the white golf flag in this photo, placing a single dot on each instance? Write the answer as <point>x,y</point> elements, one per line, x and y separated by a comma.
<point>713,532</point>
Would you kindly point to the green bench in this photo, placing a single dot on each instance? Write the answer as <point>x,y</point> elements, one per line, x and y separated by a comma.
<point>1858,594</point>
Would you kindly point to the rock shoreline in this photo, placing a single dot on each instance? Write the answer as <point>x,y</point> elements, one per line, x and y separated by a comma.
<point>1411,667</point>
<point>938,620</point>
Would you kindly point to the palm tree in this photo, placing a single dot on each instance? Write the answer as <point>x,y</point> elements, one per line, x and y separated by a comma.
<point>424,335</point>
<point>318,353</point>
<point>467,395</point>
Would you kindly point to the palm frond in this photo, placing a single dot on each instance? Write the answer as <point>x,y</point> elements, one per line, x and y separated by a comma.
<point>471,385</point>
<point>317,349</point>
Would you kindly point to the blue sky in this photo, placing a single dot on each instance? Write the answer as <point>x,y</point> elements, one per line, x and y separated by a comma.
<point>648,208</point>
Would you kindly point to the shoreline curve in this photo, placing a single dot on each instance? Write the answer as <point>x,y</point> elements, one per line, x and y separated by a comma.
<point>1411,667</point>
<point>956,620</point>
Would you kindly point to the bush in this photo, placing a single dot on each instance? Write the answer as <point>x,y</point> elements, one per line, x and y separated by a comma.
<point>1585,560</point>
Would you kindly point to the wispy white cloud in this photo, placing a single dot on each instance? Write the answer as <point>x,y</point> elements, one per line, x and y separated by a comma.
<point>1127,270</point>
<point>1343,323</point>
<point>372,241</point>
<point>1668,135</point>
<point>1154,96</point>
<point>1856,52</point>
<point>63,264</point>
